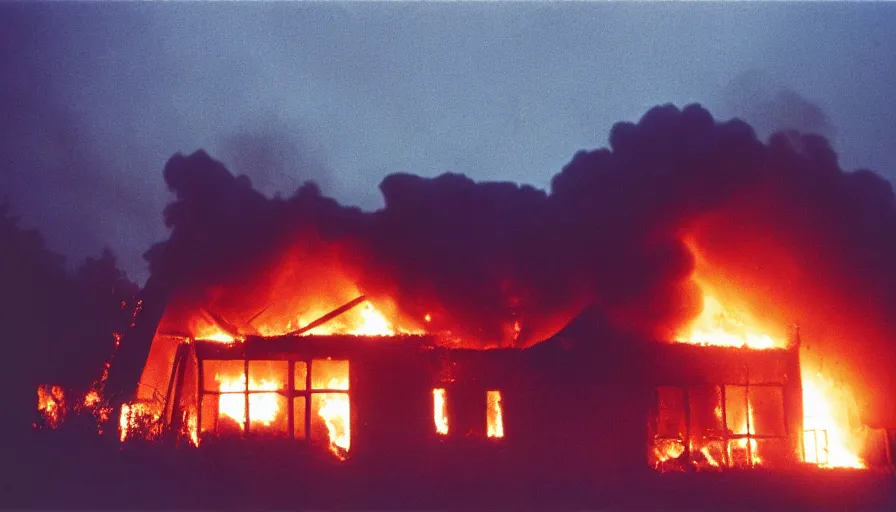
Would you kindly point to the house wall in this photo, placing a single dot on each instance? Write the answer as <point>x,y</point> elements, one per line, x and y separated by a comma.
<point>566,412</point>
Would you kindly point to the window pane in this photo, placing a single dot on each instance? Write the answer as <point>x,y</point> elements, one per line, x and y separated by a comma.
<point>299,375</point>
<point>743,453</point>
<point>666,455</point>
<point>670,412</point>
<point>231,413</point>
<point>706,411</point>
<point>330,421</point>
<point>329,374</point>
<point>228,373</point>
<point>494,414</point>
<point>767,405</point>
<point>209,413</point>
<point>299,417</point>
<point>267,375</point>
<point>268,414</point>
<point>440,410</point>
<point>736,409</point>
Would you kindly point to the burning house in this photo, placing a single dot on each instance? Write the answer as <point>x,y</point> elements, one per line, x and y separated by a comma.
<point>701,405</point>
<point>450,321</point>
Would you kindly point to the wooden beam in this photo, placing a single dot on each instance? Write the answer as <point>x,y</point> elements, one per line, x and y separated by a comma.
<point>329,316</point>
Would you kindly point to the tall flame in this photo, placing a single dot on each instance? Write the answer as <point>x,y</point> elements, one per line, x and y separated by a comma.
<point>334,410</point>
<point>494,414</point>
<point>826,418</point>
<point>51,404</point>
<point>718,327</point>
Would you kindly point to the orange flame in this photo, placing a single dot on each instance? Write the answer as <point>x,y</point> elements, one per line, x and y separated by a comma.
<point>334,410</point>
<point>232,402</point>
<point>826,440</point>
<point>51,404</point>
<point>440,412</point>
<point>494,414</point>
<point>716,326</point>
<point>215,334</point>
<point>374,323</point>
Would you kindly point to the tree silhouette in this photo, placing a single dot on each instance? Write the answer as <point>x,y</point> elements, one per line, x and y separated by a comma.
<point>56,328</point>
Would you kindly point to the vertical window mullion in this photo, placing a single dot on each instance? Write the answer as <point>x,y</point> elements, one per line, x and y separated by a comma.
<point>308,395</point>
<point>290,397</point>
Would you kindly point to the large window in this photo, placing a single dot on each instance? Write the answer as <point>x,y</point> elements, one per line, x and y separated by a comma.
<point>300,399</point>
<point>714,426</point>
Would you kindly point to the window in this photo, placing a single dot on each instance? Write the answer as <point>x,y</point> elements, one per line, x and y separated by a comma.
<point>494,414</point>
<point>669,427</point>
<point>440,410</point>
<point>710,426</point>
<point>754,420</point>
<point>469,414</point>
<point>301,399</point>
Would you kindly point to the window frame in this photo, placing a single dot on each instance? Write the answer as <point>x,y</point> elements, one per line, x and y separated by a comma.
<point>289,392</point>
<point>725,436</point>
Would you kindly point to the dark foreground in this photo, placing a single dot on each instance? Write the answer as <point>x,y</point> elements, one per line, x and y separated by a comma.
<point>54,473</point>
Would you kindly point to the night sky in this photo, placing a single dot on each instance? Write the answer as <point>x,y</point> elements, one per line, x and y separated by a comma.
<point>96,97</point>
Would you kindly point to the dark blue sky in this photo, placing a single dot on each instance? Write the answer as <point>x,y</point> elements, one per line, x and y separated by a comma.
<point>97,96</point>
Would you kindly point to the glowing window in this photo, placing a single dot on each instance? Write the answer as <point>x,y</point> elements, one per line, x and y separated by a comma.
<point>494,414</point>
<point>330,415</point>
<point>266,403</point>
<point>440,411</point>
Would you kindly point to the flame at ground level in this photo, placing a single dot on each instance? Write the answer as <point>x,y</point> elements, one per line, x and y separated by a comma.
<point>51,404</point>
<point>138,419</point>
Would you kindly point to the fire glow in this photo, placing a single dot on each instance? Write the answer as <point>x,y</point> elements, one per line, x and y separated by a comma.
<point>267,410</point>
<point>440,411</point>
<point>494,415</point>
<point>232,403</point>
<point>824,409</point>
<point>335,412</point>
<point>51,404</point>
<point>365,320</point>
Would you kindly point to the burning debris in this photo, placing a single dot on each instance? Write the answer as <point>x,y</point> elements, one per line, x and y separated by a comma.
<point>51,405</point>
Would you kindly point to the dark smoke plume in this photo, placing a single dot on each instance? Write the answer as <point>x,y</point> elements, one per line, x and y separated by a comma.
<point>778,226</point>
